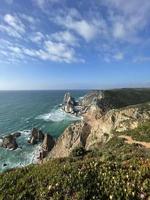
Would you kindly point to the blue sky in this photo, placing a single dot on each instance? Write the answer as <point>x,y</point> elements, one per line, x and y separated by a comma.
<point>67,44</point>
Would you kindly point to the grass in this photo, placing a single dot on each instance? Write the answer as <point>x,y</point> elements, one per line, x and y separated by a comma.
<point>142,133</point>
<point>78,179</point>
<point>124,97</point>
<point>116,170</point>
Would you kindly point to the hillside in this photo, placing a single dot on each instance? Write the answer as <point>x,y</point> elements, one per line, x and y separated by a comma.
<point>106,155</point>
<point>116,171</point>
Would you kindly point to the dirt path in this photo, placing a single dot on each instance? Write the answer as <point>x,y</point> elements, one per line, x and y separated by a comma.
<point>129,140</point>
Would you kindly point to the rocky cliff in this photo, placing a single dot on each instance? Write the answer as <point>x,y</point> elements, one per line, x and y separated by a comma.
<point>100,122</point>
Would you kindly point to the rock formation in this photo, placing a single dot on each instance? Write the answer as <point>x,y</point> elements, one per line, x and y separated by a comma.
<point>68,103</point>
<point>46,147</point>
<point>80,107</point>
<point>36,136</point>
<point>9,142</point>
<point>98,127</point>
<point>48,143</point>
<point>75,135</point>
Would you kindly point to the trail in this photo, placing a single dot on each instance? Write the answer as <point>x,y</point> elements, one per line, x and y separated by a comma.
<point>129,140</point>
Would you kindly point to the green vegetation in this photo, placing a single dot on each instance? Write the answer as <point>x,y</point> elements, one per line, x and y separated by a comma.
<point>117,149</point>
<point>116,170</point>
<point>142,133</point>
<point>124,97</point>
<point>78,152</point>
<point>80,179</point>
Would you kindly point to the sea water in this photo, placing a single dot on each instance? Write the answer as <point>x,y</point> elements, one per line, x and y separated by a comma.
<point>23,110</point>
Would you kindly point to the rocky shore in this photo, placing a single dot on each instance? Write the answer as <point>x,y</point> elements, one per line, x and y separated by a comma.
<point>102,116</point>
<point>46,142</point>
<point>101,119</point>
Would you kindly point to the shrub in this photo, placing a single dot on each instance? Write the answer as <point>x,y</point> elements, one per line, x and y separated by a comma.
<point>78,151</point>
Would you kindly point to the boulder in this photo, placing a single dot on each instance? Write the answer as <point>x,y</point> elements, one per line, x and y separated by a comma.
<point>9,142</point>
<point>17,134</point>
<point>36,136</point>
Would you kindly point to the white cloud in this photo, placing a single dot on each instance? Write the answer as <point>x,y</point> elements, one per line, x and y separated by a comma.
<point>128,18</point>
<point>48,51</point>
<point>10,31</point>
<point>37,37</point>
<point>12,26</point>
<point>119,31</point>
<point>65,37</point>
<point>85,29</point>
<point>59,52</point>
<point>119,56</point>
<point>14,22</point>
<point>15,49</point>
<point>28,18</point>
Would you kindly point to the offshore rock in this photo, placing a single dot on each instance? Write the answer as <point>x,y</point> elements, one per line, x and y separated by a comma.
<point>36,136</point>
<point>68,103</point>
<point>9,142</point>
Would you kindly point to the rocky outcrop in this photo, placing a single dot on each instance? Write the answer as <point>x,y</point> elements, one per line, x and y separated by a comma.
<point>115,120</point>
<point>36,136</point>
<point>9,142</point>
<point>48,143</point>
<point>16,134</point>
<point>75,135</point>
<point>46,147</point>
<point>81,107</point>
<point>68,103</point>
<point>98,127</point>
<point>92,98</point>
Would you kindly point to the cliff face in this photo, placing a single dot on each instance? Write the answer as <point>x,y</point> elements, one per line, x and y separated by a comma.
<point>75,135</point>
<point>93,131</point>
<point>115,120</point>
<point>98,127</point>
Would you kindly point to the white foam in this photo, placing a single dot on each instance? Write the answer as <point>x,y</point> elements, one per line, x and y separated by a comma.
<point>58,115</point>
<point>25,132</point>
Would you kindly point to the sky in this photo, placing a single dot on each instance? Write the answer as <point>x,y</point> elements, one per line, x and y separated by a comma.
<point>74,44</point>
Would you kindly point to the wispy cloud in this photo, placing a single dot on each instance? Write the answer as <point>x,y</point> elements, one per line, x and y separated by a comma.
<point>119,56</point>
<point>140,59</point>
<point>28,18</point>
<point>73,21</point>
<point>37,37</point>
<point>108,28</point>
<point>65,37</point>
<point>48,51</point>
<point>12,25</point>
<point>14,22</point>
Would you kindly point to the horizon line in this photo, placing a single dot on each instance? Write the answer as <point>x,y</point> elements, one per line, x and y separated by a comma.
<point>144,87</point>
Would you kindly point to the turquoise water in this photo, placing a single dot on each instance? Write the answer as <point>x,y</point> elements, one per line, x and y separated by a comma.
<point>23,110</point>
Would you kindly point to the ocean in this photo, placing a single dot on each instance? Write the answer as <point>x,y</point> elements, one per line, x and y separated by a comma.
<point>23,110</point>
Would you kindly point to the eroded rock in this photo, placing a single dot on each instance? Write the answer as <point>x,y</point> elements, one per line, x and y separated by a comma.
<point>9,142</point>
<point>36,136</point>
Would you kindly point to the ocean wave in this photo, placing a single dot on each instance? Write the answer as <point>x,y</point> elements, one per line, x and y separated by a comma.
<point>25,132</point>
<point>58,115</point>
